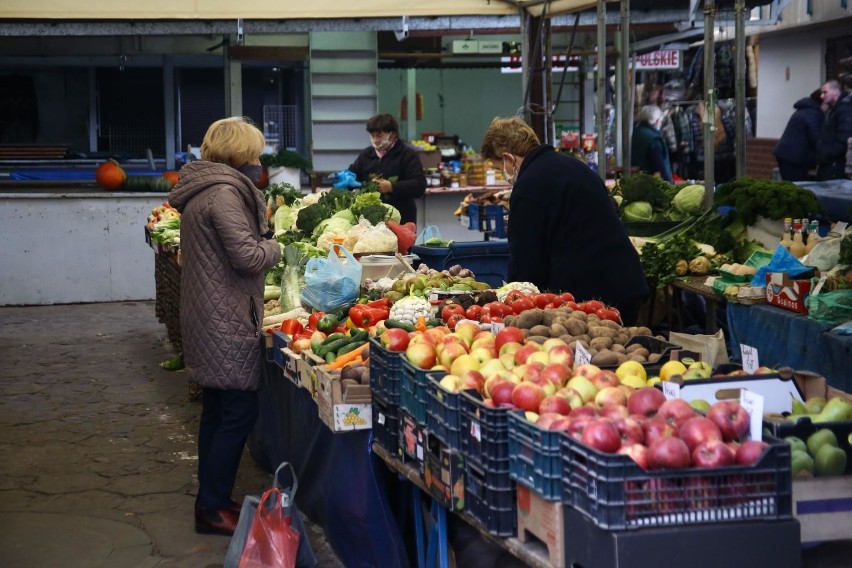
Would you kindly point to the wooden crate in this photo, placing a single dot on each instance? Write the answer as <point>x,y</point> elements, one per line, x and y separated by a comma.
<point>543,521</point>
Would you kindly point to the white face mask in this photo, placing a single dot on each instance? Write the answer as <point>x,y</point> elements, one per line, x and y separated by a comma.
<point>382,144</point>
<point>513,178</point>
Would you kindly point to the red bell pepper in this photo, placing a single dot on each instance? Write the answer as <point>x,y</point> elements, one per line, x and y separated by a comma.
<point>364,316</point>
<point>292,327</point>
<point>380,303</point>
<point>313,319</point>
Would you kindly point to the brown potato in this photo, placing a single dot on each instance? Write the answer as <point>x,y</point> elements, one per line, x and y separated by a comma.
<point>576,326</point>
<point>557,330</point>
<point>577,314</point>
<point>605,357</point>
<point>622,357</point>
<point>601,331</point>
<point>617,348</point>
<point>611,324</point>
<point>538,338</point>
<point>654,357</point>
<point>600,343</point>
<point>540,330</point>
<point>636,357</point>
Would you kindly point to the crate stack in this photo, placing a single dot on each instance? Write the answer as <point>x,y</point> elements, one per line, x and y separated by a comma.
<point>385,379</point>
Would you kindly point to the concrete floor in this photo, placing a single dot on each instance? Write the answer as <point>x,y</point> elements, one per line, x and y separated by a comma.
<point>97,447</point>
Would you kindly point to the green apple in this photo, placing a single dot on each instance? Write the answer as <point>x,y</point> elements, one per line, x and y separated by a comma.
<point>796,444</point>
<point>702,366</point>
<point>695,374</point>
<point>801,464</point>
<point>830,461</point>
<point>819,439</point>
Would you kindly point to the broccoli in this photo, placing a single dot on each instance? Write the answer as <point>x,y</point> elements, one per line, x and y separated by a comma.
<point>311,216</point>
<point>364,200</point>
<point>771,199</point>
<point>375,213</point>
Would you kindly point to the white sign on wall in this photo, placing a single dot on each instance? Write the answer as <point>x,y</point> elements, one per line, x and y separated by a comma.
<point>660,59</point>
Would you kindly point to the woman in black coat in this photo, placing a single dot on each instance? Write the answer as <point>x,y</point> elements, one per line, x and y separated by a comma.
<point>564,231</point>
<point>796,149</point>
<point>402,178</point>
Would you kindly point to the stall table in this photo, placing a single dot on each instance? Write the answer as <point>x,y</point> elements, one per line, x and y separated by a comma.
<point>695,285</point>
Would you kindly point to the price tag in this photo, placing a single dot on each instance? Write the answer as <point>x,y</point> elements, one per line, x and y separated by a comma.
<point>475,431</point>
<point>750,360</point>
<point>671,389</point>
<point>497,327</point>
<point>420,452</point>
<point>382,418</point>
<point>433,296</point>
<point>753,404</point>
<point>581,355</point>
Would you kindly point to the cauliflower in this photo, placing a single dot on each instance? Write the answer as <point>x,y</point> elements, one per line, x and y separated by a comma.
<point>378,239</point>
<point>326,240</point>
<point>525,287</point>
<point>355,233</point>
<point>409,309</point>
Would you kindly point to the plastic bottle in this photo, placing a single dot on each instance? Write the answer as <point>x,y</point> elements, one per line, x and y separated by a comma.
<point>797,249</point>
<point>787,235</point>
<point>813,237</point>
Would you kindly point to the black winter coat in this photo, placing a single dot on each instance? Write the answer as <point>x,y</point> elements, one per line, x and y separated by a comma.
<point>401,162</point>
<point>833,142</point>
<point>565,234</point>
<point>798,143</point>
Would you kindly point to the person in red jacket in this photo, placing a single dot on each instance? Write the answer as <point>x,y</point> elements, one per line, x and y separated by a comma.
<point>401,174</point>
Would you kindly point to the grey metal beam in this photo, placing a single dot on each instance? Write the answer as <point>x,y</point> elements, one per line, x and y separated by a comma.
<point>601,94</point>
<point>740,88</point>
<point>709,102</point>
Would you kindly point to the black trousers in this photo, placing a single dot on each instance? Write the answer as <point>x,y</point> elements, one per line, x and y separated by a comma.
<point>227,418</point>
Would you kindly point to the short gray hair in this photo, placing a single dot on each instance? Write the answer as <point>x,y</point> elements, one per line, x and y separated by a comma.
<point>652,114</point>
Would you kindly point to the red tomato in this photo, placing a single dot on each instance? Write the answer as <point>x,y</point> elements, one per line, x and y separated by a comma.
<point>513,296</point>
<point>474,312</point>
<point>594,305</point>
<point>453,320</point>
<point>498,309</point>
<point>611,314</point>
<point>572,304</point>
<point>495,319</point>
<point>567,297</point>
<point>451,310</point>
<point>485,317</point>
<point>555,303</point>
<point>522,305</point>
<point>541,300</point>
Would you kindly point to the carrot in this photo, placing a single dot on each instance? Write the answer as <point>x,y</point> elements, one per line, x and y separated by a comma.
<point>344,359</point>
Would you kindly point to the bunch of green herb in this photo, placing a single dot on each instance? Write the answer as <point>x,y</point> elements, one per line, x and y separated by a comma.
<point>751,198</point>
<point>659,259</point>
<point>281,194</point>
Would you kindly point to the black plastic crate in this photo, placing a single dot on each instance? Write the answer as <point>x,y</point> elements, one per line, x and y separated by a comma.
<point>495,509</point>
<point>804,427</point>
<point>615,493</point>
<point>385,372</point>
<point>484,432</point>
<point>489,260</point>
<point>442,411</point>
<point>414,387</point>
<point>385,424</point>
<point>280,340</point>
<point>653,345</point>
<point>535,458</point>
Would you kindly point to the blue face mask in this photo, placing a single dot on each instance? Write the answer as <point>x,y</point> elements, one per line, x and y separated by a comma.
<point>252,172</point>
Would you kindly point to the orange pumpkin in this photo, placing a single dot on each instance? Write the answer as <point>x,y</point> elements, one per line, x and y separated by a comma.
<point>110,175</point>
<point>171,176</point>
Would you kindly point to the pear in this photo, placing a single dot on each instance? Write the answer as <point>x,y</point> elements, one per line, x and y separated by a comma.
<point>819,439</point>
<point>799,407</point>
<point>830,460</point>
<point>815,405</point>
<point>796,444</point>
<point>801,464</point>
<point>700,405</point>
<point>835,410</point>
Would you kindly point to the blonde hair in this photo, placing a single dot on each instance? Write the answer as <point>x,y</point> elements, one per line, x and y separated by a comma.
<point>233,141</point>
<point>511,135</point>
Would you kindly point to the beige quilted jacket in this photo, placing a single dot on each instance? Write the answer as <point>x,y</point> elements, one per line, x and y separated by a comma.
<point>225,258</point>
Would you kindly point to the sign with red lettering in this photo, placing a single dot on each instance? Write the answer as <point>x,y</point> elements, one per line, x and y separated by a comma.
<point>660,59</point>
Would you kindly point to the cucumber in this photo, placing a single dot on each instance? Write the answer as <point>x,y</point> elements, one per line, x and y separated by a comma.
<point>331,338</point>
<point>359,335</point>
<point>330,357</point>
<point>332,347</point>
<point>351,346</point>
<point>389,323</point>
<point>435,323</point>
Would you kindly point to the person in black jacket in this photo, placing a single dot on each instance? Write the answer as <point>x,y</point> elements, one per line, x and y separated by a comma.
<point>831,148</point>
<point>564,231</point>
<point>650,152</point>
<point>401,174</point>
<point>796,149</point>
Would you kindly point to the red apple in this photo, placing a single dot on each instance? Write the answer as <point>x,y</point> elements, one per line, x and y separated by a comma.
<point>557,373</point>
<point>587,371</point>
<point>546,419</point>
<point>645,401</point>
<point>528,396</point>
<point>698,430</point>
<point>561,424</point>
<point>602,435</point>
<point>668,452</point>
<point>437,333</point>
<point>472,379</point>
<point>501,392</point>
<point>636,452</point>
<point>613,411</point>
<point>571,395</point>
<point>421,355</point>
<point>561,354</point>
<point>450,350</point>
<point>522,354</point>
<point>656,428</point>
<point>750,452</point>
<point>577,424</point>
<point>422,338</point>
<point>712,453</point>
<point>731,418</point>
<point>394,339</point>
<point>609,396</point>
<point>676,411</point>
<point>555,405</point>
<point>630,431</point>
<point>467,331</point>
<point>508,334</point>
<point>604,378</point>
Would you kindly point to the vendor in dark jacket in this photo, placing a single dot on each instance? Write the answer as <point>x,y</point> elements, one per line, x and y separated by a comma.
<point>796,149</point>
<point>564,232</point>
<point>649,151</point>
<point>831,149</point>
<point>389,157</point>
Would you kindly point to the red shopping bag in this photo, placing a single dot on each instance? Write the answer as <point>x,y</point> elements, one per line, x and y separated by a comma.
<point>272,541</point>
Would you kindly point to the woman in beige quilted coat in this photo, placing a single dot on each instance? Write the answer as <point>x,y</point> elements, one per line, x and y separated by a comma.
<point>226,253</point>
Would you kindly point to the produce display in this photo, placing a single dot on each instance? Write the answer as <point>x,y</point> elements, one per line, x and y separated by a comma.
<point>110,176</point>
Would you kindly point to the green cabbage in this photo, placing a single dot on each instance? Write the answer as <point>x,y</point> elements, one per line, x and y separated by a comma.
<point>284,219</point>
<point>336,224</point>
<point>394,213</point>
<point>690,199</point>
<point>346,214</point>
<point>638,212</point>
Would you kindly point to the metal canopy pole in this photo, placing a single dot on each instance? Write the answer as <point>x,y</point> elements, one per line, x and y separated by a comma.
<point>601,88</point>
<point>739,85</point>
<point>709,102</point>
<point>625,97</point>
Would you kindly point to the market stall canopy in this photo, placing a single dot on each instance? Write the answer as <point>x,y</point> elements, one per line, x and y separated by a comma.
<point>273,10</point>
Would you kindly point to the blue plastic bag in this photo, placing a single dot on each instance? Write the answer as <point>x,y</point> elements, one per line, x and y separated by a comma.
<point>331,282</point>
<point>781,261</point>
<point>345,179</point>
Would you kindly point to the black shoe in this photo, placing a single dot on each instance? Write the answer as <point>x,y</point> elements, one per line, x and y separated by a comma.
<point>216,522</point>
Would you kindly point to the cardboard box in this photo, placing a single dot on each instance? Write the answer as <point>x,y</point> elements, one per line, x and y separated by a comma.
<point>785,293</point>
<point>443,474</point>
<point>290,366</point>
<point>823,507</point>
<point>307,376</point>
<point>777,393</point>
<point>412,440</point>
<point>542,521</point>
<point>342,409</point>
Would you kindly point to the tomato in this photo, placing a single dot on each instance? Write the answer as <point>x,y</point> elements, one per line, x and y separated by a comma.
<point>611,314</point>
<point>451,310</point>
<point>594,305</point>
<point>498,309</point>
<point>474,312</point>
<point>453,320</point>
<point>557,303</point>
<point>495,319</point>
<point>513,296</point>
<point>485,317</point>
<point>567,297</point>
<point>522,305</point>
<point>572,304</point>
<point>541,300</point>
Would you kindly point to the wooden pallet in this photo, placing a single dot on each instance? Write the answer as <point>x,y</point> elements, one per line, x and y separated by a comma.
<point>542,521</point>
<point>32,152</point>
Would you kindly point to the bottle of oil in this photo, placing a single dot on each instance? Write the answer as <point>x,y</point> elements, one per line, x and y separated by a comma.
<point>813,237</point>
<point>797,249</point>
<point>787,235</point>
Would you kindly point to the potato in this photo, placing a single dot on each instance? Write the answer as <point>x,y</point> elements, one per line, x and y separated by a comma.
<point>643,352</point>
<point>610,324</point>
<point>600,343</point>
<point>601,331</point>
<point>538,338</point>
<point>577,314</point>
<point>540,330</point>
<point>605,357</point>
<point>583,337</point>
<point>623,337</point>
<point>549,316</point>
<point>636,357</point>
<point>567,338</point>
<point>583,342</point>
<point>528,319</point>
<point>557,330</point>
<point>509,320</point>
<point>654,357</point>
<point>622,357</point>
<point>592,318</point>
<point>617,348</point>
<point>643,331</point>
<point>576,326</point>
<point>631,348</point>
